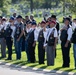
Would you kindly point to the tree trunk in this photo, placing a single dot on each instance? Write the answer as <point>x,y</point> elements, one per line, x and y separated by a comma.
<point>31,5</point>
<point>64,8</point>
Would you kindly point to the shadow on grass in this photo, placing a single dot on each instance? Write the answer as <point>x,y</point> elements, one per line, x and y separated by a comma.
<point>10,61</point>
<point>34,65</point>
<point>69,70</point>
<point>58,68</point>
<point>24,63</point>
<point>43,67</point>
<point>18,62</point>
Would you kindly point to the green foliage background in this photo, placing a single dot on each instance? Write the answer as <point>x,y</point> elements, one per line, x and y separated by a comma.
<point>5,5</point>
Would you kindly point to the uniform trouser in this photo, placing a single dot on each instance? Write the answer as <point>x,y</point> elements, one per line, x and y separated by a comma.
<point>55,53</point>
<point>23,44</point>
<point>50,55</point>
<point>15,44</point>
<point>31,50</point>
<point>74,52</point>
<point>27,52</point>
<point>3,47</point>
<point>41,53</point>
<point>9,43</point>
<point>18,45</point>
<point>65,54</point>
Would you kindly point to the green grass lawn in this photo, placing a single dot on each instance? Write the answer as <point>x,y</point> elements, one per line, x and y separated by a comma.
<point>58,61</point>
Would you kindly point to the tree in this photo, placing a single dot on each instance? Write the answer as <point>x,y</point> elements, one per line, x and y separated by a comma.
<point>72,7</point>
<point>1,3</point>
<point>4,5</point>
<point>31,5</point>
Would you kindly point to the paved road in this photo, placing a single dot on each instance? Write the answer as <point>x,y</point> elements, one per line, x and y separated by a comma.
<point>4,70</point>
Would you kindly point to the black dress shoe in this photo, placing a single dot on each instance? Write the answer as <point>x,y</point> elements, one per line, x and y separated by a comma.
<point>65,66</point>
<point>28,61</point>
<point>41,63</point>
<point>32,61</point>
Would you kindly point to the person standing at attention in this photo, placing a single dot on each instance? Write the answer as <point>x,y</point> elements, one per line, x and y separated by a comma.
<point>51,43</point>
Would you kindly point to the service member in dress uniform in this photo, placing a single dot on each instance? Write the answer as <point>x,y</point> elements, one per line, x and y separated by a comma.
<point>41,42</point>
<point>18,36</point>
<point>53,18</point>
<point>23,37</point>
<point>32,42</point>
<point>27,32</point>
<point>66,34</point>
<point>74,41</point>
<point>51,43</point>
<point>2,39</point>
<point>9,37</point>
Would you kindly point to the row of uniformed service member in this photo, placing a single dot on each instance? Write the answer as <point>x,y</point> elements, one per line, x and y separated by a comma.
<point>46,35</point>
